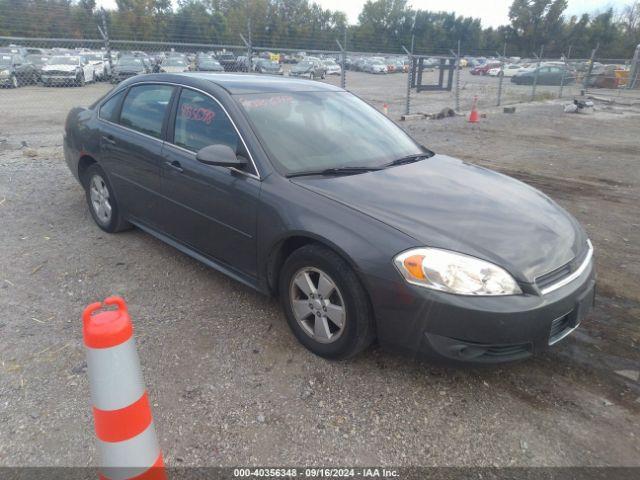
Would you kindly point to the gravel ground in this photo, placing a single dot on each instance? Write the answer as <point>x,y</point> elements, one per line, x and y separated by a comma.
<point>228,381</point>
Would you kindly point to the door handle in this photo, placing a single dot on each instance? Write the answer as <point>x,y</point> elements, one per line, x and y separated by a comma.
<point>175,165</point>
<point>109,139</point>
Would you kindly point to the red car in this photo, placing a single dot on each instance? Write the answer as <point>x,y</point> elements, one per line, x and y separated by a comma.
<point>484,69</point>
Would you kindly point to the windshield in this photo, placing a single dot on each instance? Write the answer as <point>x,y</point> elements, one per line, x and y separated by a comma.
<point>37,59</point>
<point>305,64</point>
<point>175,62</point>
<point>130,62</point>
<point>64,61</point>
<point>94,57</point>
<point>312,131</point>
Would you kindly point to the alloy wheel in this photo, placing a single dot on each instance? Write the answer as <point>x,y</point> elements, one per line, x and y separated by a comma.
<point>317,304</point>
<point>100,201</point>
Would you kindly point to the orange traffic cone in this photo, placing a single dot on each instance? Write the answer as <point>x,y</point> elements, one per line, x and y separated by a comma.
<point>127,440</point>
<point>474,117</point>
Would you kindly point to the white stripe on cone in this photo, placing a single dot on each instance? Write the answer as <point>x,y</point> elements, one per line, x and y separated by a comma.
<point>124,460</point>
<point>114,376</point>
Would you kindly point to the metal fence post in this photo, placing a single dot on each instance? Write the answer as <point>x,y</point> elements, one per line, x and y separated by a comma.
<point>535,77</point>
<point>634,72</point>
<point>105,35</point>
<point>458,68</point>
<point>564,72</point>
<point>407,108</point>
<point>456,71</point>
<point>343,62</point>
<point>502,58</point>
<point>590,70</point>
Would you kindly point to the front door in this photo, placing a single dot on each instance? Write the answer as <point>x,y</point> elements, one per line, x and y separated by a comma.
<point>211,209</point>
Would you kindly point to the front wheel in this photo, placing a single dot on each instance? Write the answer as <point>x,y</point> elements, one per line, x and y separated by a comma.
<point>325,304</point>
<point>80,80</point>
<point>102,201</point>
<point>14,82</point>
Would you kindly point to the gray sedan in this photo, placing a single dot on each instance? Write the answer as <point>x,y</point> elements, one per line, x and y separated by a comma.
<point>302,190</point>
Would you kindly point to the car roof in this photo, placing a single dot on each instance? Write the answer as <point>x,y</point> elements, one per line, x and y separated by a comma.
<point>243,83</point>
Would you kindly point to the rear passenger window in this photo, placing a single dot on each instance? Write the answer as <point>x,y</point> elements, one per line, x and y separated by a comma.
<point>144,108</point>
<point>109,109</point>
<point>201,122</point>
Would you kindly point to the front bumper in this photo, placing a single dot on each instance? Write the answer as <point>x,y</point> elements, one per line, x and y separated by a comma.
<point>63,79</point>
<point>438,325</point>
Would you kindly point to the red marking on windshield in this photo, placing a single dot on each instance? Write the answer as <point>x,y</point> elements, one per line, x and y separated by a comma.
<point>197,114</point>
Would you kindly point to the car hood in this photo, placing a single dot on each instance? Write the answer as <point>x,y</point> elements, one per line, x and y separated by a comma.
<point>447,203</point>
<point>64,68</point>
<point>174,69</point>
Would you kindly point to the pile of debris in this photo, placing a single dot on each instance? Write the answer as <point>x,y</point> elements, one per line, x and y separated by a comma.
<point>579,106</point>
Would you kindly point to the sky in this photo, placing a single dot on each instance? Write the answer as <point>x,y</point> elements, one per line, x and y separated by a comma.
<point>492,12</point>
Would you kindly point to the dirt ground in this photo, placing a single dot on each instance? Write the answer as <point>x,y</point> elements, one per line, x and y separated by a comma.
<point>229,383</point>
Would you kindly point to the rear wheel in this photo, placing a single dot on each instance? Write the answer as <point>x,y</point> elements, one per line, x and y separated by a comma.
<point>102,201</point>
<point>326,306</point>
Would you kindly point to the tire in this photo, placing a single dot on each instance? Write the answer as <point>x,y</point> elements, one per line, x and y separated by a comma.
<point>357,331</point>
<point>114,223</point>
<point>14,82</point>
<point>93,77</point>
<point>80,80</point>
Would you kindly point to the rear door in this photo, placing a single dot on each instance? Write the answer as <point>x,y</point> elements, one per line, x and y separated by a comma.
<point>211,209</point>
<point>131,148</point>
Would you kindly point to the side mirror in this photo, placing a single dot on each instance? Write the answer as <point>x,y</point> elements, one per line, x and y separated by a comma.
<point>221,156</point>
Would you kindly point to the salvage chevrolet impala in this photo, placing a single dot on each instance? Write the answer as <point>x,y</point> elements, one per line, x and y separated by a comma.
<point>300,189</point>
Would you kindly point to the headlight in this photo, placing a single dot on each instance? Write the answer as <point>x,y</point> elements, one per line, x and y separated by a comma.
<point>454,273</point>
<point>4,73</point>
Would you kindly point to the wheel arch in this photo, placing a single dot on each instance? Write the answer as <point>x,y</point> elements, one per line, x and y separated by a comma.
<point>84,163</point>
<point>285,246</point>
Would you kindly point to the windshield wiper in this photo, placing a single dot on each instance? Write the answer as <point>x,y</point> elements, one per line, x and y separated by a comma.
<point>334,171</point>
<point>409,159</point>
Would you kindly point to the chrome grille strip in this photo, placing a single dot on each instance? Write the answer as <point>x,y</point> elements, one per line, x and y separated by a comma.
<point>570,278</point>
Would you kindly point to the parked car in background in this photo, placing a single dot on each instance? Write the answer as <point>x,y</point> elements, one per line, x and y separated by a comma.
<point>374,65</point>
<point>331,67</point>
<point>303,191</point>
<point>15,50</point>
<point>484,68</point>
<point>16,70</point>
<point>175,64</point>
<point>228,61</point>
<point>507,71</point>
<point>127,67</point>
<point>206,63</point>
<point>263,65</point>
<point>309,68</point>
<point>38,60</point>
<point>100,63</point>
<point>241,64</point>
<point>68,70</point>
<point>544,75</point>
<point>604,76</point>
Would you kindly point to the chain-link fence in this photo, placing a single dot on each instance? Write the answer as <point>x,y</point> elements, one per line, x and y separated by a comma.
<point>398,82</point>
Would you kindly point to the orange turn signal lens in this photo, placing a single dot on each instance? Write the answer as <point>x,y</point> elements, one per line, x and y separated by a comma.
<point>413,264</point>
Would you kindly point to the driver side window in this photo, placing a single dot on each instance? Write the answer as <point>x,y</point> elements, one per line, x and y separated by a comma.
<point>201,122</point>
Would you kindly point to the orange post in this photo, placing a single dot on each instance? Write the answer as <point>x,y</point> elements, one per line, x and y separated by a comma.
<point>474,117</point>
